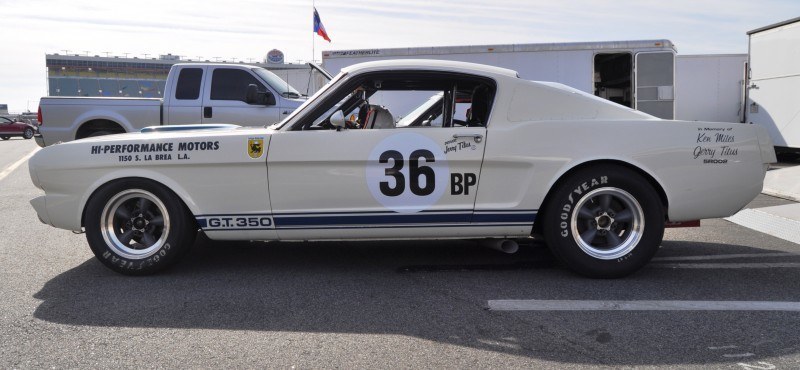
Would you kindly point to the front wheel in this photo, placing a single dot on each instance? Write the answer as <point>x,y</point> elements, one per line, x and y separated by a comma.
<point>138,227</point>
<point>27,134</point>
<point>606,221</point>
<point>5,137</point>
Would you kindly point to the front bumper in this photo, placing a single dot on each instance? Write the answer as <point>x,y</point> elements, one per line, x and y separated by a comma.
<point>39,205</point>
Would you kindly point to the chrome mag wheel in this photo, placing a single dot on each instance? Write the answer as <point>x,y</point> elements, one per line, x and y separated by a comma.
<point>608,223</point>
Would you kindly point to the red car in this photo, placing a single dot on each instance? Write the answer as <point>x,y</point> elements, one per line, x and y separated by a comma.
<point>9,128</point>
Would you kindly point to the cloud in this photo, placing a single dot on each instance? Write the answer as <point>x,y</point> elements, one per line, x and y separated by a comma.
<point>248,29</point>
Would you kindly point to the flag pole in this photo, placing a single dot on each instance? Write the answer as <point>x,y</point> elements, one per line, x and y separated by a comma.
<point>313,40</point>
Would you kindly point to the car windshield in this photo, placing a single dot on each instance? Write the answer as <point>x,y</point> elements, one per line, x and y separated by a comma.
<point>413,115</point>
<point>276,83</point>
<point>305,104</point>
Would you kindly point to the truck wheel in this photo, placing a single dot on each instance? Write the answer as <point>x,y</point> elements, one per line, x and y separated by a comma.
<point>606,221</point>
<point>27,134</point>
<point>99,133</point>
<point>5,137</point>
<point>138,227</point>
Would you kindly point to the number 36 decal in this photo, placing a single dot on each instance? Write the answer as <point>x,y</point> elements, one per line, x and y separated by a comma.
<point>415,172</point>
<point>408,173</point>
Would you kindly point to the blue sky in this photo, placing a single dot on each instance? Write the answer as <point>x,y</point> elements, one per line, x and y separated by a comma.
<point>249,29</point>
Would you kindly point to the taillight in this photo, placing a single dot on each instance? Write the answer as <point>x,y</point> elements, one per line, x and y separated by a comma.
<point>39,116</point>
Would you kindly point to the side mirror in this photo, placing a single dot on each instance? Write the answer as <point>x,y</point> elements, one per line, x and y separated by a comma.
<point>251,97</point>
<point>337,120</point>
<point>255,97</point>
<point>269,99</point>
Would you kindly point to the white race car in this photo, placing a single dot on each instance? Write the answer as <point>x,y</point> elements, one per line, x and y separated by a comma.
<point>486,156</point>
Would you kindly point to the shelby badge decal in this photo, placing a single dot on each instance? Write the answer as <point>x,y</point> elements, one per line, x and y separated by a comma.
<point>255,147</point>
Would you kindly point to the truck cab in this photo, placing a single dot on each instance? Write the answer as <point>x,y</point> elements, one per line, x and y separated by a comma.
<point>217,93</point>
<point>194,93</point>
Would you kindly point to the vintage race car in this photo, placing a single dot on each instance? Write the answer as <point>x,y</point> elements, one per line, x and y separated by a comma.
<point>482,155</point>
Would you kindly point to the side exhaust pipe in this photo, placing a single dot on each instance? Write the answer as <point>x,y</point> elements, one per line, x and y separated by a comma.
<point>503,245</point>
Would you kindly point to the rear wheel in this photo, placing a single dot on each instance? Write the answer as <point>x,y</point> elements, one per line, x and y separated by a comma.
<point>138,227</point>
<point>27,134</point>
<point>606,221</point>
<point>99,133</point>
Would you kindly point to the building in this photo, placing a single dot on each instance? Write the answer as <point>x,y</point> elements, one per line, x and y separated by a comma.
<point>115,76</point>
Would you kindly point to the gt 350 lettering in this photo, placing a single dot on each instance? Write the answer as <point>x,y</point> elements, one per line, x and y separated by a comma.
<point>236,222</point>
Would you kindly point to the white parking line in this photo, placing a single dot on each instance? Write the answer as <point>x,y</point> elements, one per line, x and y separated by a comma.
<point>558,305</point>
<point>725,256</point>
<point>16,164</point>
<point>766,221</point>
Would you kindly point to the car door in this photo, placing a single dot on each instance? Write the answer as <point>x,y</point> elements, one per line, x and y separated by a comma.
<point>377,179</point>
<point>374,183</point>
<point>225,99</point>
<point>8,126</point>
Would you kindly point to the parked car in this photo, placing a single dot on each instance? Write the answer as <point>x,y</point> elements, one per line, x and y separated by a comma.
<point>597,180</point>
<point>10,128</point>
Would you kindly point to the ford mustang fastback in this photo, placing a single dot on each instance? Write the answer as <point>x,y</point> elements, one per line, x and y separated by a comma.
<point>408,149</point>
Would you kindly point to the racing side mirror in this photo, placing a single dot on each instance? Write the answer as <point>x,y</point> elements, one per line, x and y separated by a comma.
<point>253,96</point>
<point>337,120</point>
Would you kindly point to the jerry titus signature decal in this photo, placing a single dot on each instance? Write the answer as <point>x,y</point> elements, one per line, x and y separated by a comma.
<point>709,148</point>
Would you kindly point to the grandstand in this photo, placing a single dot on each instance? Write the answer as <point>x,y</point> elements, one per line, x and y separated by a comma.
<point>115,76</point>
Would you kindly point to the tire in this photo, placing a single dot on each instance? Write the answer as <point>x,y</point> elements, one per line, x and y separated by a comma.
<point>5,137</point>
<point>99,133</point>
<point>606,221</point>
<point>138,227</point>
<point>27,134</point>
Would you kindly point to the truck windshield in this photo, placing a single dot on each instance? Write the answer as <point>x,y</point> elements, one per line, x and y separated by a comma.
<point>276,83</point>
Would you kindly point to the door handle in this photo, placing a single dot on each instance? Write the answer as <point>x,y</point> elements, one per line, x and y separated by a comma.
<point>477,137</point>
<point>285,112</point>
<point>207,113</point>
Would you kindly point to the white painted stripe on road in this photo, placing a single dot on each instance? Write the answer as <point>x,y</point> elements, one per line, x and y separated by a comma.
<point>755,265</point>
<point>725,256</point>
<point>16,164</point>
<point>777,226</point>
<point>723,347</point>
<point>559,305</point>
<point>739,355</point>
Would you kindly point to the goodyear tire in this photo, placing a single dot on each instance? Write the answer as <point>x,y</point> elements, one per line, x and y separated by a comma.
<point>27,134</point>
<point>605,221</point>
<point>138,227</point>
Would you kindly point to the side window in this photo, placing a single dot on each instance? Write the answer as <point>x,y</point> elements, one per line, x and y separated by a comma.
<point>231,84</point>
<point>189,84</point>
<point>390,100</point>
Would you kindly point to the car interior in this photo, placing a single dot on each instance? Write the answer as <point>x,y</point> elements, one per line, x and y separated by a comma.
<point>372,102</point>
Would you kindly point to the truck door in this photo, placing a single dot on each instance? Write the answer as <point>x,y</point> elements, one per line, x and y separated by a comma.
<point>183,102</point>
<point>224,99</point>
<point>655,83</point>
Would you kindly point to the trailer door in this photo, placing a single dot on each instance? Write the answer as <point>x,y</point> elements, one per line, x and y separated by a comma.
<point>655,83</point>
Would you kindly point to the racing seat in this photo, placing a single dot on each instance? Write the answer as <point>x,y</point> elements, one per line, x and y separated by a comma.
<point>379,117</point>
<point>479,111</point>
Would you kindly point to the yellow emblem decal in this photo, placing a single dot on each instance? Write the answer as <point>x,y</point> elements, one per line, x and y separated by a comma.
<point>255,147</point>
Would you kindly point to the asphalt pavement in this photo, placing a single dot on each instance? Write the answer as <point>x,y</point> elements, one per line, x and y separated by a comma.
<point>717,296</point>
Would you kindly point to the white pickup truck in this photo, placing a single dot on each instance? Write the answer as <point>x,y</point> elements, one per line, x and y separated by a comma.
<point>194,93</point>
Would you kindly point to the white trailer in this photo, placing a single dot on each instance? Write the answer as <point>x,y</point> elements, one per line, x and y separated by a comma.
<point>710,87</point>
<point>637,74</point>
<point>773,89</point>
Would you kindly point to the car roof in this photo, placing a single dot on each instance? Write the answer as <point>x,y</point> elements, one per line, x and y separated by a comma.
<point>431,64</point>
